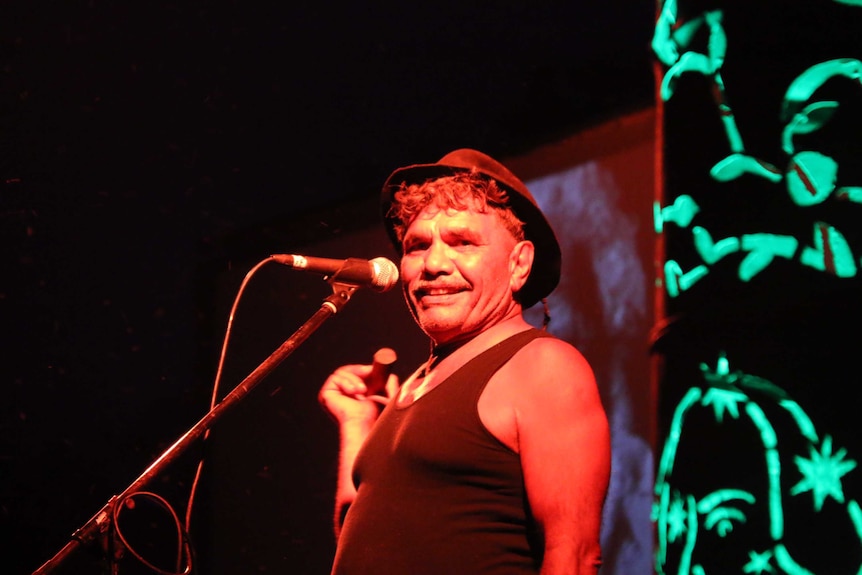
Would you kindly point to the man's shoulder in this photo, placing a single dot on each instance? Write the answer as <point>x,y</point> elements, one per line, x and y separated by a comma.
<point>549,359</point>
<point>552,348</point>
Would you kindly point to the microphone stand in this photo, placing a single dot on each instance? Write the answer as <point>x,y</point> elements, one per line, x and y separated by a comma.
<point>100,525</point>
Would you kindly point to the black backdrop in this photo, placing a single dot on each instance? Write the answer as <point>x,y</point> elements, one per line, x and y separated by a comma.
<point>139,142</point>
<point>265,499</point>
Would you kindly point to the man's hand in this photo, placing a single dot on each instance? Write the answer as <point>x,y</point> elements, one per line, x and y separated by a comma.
<point>352,392</point>
<point>345,395</point>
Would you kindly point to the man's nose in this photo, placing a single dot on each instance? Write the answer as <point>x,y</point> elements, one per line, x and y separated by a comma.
<point>438,260</point>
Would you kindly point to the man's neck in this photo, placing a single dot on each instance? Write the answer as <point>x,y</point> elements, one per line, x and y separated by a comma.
<point>457,353</point>
<point>446,359</point>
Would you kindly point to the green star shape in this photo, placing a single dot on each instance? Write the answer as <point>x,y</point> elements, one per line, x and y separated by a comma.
<point>822,473</point>
<point>724,401</point>
<point>676,518</point>
<point>758,563</point>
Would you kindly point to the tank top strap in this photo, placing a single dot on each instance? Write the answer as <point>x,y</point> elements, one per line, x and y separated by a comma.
<point>471,378</point>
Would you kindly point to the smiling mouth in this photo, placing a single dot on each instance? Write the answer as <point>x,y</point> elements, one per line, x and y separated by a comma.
<point>436,293</point>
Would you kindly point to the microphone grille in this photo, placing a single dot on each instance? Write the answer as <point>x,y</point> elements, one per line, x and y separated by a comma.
<point>385,274</point>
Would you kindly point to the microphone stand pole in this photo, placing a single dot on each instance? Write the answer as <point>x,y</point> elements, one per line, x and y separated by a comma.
<point>100,525</point>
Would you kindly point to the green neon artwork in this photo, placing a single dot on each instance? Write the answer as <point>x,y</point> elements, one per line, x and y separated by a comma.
<point>761,250</point>
<point>758,563</point>
<point>810,177</point>
<point>710,250</point>
<point>822,473</point>
<point>681,213</point>
<point>676,280</point>
<point>685,518</point>
<point>671,42</point>
<point>812,79</point>
<point>809,119</point>
<point>830,252</point>
<point>736,165</point>
<point>719,516</point>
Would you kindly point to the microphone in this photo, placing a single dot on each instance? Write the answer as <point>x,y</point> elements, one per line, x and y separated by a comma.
<point>379,274</point>
<point>380,370</point>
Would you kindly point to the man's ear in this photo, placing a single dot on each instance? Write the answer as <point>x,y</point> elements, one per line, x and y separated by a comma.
<point>520,264</point>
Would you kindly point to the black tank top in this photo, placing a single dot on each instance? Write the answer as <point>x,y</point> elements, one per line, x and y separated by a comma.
<point>437,493</point>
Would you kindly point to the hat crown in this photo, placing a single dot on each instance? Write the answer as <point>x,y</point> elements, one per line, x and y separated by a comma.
<point>470,159</point>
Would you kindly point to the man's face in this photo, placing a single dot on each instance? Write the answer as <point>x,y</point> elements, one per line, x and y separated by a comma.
<point>456,272</point>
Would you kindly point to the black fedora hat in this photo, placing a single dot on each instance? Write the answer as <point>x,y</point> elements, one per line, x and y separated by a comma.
<point>545,274</point>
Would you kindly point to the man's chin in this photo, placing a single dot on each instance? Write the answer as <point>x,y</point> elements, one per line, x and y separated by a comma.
<point>437,320</point>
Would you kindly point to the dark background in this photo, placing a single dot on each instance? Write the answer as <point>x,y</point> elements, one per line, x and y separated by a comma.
<point>152,152</point>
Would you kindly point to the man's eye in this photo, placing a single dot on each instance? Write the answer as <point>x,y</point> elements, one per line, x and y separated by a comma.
<point>463,243</point>
<point>413,247</point>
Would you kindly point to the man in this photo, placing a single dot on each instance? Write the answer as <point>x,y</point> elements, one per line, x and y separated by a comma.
<point>494,456</point>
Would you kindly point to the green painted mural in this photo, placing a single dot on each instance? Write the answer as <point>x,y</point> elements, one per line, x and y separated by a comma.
<point>760,217</point>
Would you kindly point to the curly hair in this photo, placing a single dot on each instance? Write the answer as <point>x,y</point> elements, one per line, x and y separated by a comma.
<point>460,191</point>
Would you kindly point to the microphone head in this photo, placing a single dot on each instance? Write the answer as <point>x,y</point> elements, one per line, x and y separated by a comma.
<point>385,274</point>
